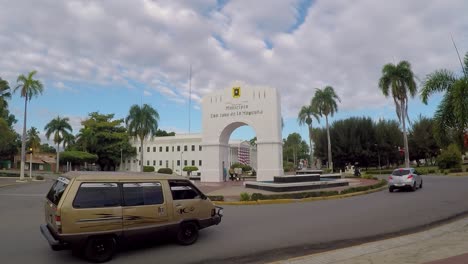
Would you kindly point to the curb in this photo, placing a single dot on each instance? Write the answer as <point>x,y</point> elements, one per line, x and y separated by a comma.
<point>310,199</point>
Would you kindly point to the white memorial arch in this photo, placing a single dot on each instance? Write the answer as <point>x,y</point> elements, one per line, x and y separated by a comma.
<point>239,105</point>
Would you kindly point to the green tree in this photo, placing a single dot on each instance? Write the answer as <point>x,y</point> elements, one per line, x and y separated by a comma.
<point>142,122</point>
<point>33,139</point>
<point>325,103</point>
<point>388,137</point>
<point>294,148</point>
<point>59,127</point>
<point>77,157</point>
<point>68,140</point>
<point>422,141</point>
<point>452,112</point>
<point>7,140</point>
<point>46,148</point>
<point>4,94</point>
<point>164,133</point>
<point>107,138</point>
<point>305,116</point>
<point>398,80</point>
<point>29,88</point>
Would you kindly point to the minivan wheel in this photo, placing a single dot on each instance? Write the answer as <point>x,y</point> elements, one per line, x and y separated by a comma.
<point>100,249</point>
<point>187,234</point>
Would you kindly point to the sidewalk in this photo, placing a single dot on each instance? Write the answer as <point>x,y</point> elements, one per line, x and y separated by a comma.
<point>447,244</point>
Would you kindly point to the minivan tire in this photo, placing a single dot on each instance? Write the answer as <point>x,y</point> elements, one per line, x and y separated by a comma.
<point>100,249</point>
<point>187,233</point>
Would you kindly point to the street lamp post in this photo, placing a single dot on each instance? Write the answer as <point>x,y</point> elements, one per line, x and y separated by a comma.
<point>181,153</point>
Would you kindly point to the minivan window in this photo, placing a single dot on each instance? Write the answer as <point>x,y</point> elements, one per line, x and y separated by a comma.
<point>183,190</point>
<point>400,172</point>
<point>147,193</point>
<point>56,191</point>
<point>94,195</point>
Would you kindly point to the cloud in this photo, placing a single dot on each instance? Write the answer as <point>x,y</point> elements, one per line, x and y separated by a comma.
<point>146,93</point>
<point>270,42</point>
<point>62,87</point>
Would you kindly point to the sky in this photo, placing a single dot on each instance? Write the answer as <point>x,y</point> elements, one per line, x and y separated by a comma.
<point>108,55</point>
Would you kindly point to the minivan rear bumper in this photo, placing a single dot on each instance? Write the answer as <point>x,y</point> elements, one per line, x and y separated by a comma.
<point>48,235</point>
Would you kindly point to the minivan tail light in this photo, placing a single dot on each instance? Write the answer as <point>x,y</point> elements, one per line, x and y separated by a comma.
<point>58,223</point>
<point>410,177</point>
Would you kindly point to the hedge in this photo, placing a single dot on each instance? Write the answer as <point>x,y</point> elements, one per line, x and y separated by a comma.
<point>148,169</point>
<point>218,198</point>
<point>450,158</point>
<point>301,195</point>
<point>165,170</point>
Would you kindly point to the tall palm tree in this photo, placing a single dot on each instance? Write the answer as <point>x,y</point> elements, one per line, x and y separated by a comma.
<point>452,111</point>
<point>324,101</point>
<point>59,127</point>
<point>67,140</point>
<point>33,139</point>
<point>398,80</point>
<point>305,116</point>
<point>142,122</point>
<point>29,88</point>
<point>86,139</point>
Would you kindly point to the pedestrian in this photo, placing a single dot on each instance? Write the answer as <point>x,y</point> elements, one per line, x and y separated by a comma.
<point>224,174</point>
<point>231,174</point>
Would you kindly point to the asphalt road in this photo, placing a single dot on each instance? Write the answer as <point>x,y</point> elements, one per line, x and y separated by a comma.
<point>248,234</point>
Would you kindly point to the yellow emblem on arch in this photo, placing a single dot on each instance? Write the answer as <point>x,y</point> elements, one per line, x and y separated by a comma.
<point>236,92</point>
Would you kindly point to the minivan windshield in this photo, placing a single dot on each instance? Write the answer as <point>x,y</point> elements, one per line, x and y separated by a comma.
<point>400,172</point>
<point>56,191</point>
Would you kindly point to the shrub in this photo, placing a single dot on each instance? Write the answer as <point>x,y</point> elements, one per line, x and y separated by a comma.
<point>456,170</point>
<point>431,171</point>
<point>165,170</point>
<point>423,171</point>
<point>288,166</point>
<point>327,170</point>
<point>301,195</point>
<point>219,198</point>
<point>148,168</point>
<point>369,176</point>
<point>364,188</point>
<point>39,178</point>
<point>450,158</point>
<point>189,169</point>
<point>244,167</point>
<point>244,196</point>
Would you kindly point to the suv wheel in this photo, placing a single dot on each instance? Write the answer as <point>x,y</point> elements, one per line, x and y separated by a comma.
<point>390,189</point>
<point>413,188</point>
<point>100,249</point>
<point>187,234</point>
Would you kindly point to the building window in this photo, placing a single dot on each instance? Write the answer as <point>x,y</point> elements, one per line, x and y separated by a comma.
<point>139,149</point>
<point>147,163</point>
<point>139,162</point>
<point>199,163</point>
<point>160,149</point>
<point>185,162</point>
<point>148,149</point>
<point>167,164</point>
<point>185,148</point>
<point>167,148</point>
<point>193,163</point>
<point>154,149</point>
<point>178,162</point>
<point>199,148</point>
<point>154,162</point>
<point>172,148</point>
<point>193,147</point>
<point>178,148</point>
<point>160,163</point>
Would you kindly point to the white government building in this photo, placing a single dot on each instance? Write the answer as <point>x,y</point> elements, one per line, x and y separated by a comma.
<point>176,152</point>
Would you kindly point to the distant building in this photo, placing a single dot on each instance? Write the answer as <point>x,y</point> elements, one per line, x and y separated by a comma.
<point>176,152</point>
<point>40,161</point>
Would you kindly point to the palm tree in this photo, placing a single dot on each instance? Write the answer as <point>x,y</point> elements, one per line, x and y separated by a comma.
<point>4,94</point>
<point>452,111</point>
<point>67,140</point>
<point>305,116</point>
<point>86,139</point>
<point>142,122</point>
<point>33,139</point>
<point>59,127</point>
<point>398,80</point>
<point>29,88</point>
<point>324,101</point>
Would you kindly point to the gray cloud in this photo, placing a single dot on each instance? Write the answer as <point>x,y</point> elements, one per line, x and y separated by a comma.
<point>341,43</point>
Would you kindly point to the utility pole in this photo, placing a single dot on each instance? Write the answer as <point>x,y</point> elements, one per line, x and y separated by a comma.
<point>30,162</point>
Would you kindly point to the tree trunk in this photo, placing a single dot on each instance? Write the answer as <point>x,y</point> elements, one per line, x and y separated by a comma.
<point>405,136</point>
<point>141,155</point>
<point>58,158</point>
<point>330,162</point>
<point>23,139</point>
<point>310,144</point>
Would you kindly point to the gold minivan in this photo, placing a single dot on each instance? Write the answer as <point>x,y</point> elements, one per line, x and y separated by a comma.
<point>92,212</point>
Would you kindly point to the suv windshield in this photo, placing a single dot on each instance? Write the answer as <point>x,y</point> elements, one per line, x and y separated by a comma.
<point>57,190</point>
<point>400,172</point>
